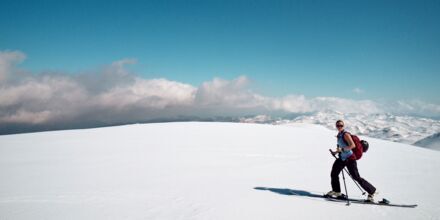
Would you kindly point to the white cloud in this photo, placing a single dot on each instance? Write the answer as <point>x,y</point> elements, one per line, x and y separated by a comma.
<point>234,93</point>
<point>118,67</point>
<point>358,91</point>
<point>8,60</point>
<point>291,103</point>
<point>27,117</point>
<point>413,107</point>
<point>114,95</point>
<point>155,93</point>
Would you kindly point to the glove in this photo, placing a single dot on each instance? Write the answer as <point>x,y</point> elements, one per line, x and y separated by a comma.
<point>338,150</point>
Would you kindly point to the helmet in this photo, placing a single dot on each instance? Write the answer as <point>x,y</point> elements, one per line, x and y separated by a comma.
<point>365,145</point>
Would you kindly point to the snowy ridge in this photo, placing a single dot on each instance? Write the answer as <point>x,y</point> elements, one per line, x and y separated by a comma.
<point>200,170</point>
<point>403,129</point>
<point>432,142</point>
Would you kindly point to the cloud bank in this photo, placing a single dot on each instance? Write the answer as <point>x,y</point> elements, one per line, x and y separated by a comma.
<point>113,95</point>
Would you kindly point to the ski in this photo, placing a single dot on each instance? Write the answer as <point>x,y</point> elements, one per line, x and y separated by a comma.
<point>384,202</point>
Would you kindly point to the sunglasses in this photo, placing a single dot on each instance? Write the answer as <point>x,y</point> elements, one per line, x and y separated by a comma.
<point>339,126</point>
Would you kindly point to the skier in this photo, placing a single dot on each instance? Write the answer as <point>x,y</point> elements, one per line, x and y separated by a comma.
<point>347,158</point>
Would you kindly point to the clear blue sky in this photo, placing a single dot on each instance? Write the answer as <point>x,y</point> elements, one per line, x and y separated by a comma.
<point>389,49</point>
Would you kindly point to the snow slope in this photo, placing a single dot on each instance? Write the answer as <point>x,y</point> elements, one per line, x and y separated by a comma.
<point>431,142</point>
<point>195,170</point>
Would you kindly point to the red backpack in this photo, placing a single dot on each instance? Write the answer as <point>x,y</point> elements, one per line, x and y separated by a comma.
<point>361,145</point>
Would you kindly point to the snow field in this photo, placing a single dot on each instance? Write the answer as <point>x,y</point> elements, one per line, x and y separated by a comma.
<point>193,170</point>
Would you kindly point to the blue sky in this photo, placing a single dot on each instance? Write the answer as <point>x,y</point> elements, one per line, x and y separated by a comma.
<point>390,50</point>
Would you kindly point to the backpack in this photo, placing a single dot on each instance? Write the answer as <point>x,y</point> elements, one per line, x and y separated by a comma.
<point>361,145</point>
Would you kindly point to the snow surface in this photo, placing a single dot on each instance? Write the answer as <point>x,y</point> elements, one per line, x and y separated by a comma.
<point>193,170</point>
<point>431,142</point>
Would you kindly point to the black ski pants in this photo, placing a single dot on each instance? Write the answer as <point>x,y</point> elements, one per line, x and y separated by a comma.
<point>351,165</point>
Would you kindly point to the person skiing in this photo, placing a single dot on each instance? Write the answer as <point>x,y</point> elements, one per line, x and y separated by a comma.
<point>347,159</point>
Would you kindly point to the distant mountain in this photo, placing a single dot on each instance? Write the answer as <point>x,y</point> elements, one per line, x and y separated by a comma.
<point>403,129</point>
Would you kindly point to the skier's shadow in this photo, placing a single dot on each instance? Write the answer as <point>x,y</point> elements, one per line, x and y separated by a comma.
<point>290,192</point>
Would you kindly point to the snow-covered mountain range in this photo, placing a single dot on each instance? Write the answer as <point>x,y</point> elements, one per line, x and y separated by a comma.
<point>403,129</point>
<point>204,170</point>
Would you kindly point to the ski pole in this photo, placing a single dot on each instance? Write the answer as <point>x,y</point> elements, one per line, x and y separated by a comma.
<point>345,169</point>
<point>345,186</point>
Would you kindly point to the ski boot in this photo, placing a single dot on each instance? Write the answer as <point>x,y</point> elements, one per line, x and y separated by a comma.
<point>335,195</point>
<point>370,197</point>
